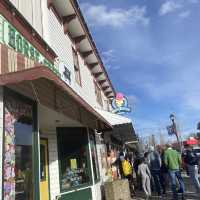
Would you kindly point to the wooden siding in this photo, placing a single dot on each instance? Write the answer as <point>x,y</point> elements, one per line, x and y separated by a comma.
<point>32,11</point>
<point>47,25</point>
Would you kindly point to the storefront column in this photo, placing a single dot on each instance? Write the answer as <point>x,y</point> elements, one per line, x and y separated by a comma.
<point>90,154</point>
<point>1,139</point>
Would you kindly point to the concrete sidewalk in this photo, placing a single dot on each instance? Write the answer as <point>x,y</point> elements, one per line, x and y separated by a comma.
<point>189,195</point>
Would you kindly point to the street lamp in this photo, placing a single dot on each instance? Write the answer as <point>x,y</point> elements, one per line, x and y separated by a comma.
<point>172,117</point>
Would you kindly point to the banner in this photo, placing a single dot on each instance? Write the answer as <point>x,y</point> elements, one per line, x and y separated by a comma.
<point>171,130</point>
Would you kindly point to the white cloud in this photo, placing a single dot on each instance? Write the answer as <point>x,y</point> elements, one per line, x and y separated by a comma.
<point>169,7</point>
<point>108,57</point>
<point>184,14</point>
<point>100,15</point>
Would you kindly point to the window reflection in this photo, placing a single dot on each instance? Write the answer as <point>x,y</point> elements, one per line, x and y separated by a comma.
<point>73,156</point>
<point>23,156</point>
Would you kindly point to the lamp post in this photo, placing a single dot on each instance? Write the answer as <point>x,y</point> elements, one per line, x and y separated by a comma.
<point>172,118</point>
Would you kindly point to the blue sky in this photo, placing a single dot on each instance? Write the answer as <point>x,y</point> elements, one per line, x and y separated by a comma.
<point>151,49</point>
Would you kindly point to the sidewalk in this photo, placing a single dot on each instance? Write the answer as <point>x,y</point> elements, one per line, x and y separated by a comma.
<point>190,193</point>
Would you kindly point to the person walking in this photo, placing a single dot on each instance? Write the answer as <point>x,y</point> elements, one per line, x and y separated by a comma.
<point>191,161</point>
<point>173,162</point>
<point>135,166</point>
<point>128,173</point>
<point>155,168</point>
<point>163,170</point>
<point>144,172</point>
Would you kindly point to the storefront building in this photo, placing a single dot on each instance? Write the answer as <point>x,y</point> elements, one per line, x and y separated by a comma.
<point>52,81</point>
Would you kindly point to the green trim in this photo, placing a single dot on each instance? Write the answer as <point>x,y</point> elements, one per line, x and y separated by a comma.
<point>84,194</point>
<point>36,153</point>
<point>59,142</point>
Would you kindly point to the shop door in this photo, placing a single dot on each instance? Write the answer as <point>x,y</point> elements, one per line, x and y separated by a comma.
<point>44,170</point>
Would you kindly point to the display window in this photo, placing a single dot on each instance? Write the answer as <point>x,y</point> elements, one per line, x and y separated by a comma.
<point>18,149</point>
<point>73,158</point>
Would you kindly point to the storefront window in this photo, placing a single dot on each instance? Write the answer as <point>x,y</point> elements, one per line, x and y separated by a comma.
<point>94,157</point>
<point>18,149</point>
<point>74,158</point>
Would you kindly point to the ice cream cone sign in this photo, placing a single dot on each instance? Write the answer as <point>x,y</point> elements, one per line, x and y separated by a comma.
<point>120,104</point>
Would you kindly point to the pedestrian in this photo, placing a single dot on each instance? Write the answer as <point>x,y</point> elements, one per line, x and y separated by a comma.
<point>128,173</point>
<point>163,170</point>
<point>144,172</point>
<point>173,162</point>
<point>155,168</point>
<point>191,161</point>
<point>135,166</point>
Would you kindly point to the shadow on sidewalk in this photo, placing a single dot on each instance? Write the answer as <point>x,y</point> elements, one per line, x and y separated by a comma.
<point>188,196</point>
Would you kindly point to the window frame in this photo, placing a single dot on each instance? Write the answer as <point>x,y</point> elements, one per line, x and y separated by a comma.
<point>77,72</point>
<point>98,93</point>
<point>60,131</point>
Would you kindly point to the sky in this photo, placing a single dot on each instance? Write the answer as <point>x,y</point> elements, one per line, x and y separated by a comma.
<point>151,49</point>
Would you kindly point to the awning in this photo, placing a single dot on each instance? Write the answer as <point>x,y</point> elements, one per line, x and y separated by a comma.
<point>192,141</point>
<point>44,73</point>
<point>122,126</point>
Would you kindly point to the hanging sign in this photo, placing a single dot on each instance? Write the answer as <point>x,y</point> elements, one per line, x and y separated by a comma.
<point>120,104</point>
<point>171,130</point>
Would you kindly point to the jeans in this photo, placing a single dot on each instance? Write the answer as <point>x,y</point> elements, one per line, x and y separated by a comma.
<point>158,181</point>
<point>176,174</point>
<point>193,173</point>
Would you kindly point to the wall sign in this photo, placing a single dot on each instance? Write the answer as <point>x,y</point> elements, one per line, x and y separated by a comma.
<point>120,104</point>
<point>12,38</point>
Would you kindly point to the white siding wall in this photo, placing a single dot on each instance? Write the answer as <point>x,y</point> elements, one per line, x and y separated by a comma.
<point>31,10</point>
<point>87,91</point>
<point>1,137</point>
<point>47,25</point>
<point>53,164</point>
<point>62,45</point>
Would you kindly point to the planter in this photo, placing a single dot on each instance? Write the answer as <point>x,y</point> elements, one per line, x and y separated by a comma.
<point>117,190</point>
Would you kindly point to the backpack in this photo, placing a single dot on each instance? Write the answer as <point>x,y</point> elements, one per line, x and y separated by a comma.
<point>127,168</point>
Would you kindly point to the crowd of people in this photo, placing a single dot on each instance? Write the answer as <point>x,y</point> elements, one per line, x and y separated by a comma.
<point>159,168</point>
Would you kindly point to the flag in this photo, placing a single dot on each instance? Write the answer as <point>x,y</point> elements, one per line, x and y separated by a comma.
<point>171,130</point>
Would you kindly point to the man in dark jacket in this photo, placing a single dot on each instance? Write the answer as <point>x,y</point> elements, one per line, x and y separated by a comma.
<point>155,167</point>
<point>191,160</point>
